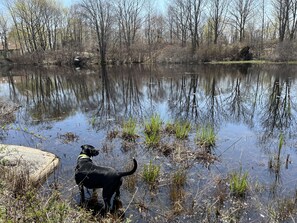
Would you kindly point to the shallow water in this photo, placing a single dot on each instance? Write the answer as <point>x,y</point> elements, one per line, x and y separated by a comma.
<point>249,105</point>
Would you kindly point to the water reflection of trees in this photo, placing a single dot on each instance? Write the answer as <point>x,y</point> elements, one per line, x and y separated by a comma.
<point>50,95</point>
<point>277,113</point>
<point>119,95</point>
<point>258,97</point>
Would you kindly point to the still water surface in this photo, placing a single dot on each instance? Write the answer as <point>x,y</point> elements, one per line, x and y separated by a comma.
<point>249,106</point>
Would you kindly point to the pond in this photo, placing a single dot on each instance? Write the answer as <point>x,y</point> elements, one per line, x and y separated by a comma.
<point>250,107</point>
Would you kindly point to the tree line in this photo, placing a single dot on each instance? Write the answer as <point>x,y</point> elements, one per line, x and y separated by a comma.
<point>142,31</point>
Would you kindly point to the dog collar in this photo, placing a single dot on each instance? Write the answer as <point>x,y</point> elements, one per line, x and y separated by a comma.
<point>83,156</point>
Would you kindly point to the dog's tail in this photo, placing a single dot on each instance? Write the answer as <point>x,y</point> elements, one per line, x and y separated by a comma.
<point>122,174</point>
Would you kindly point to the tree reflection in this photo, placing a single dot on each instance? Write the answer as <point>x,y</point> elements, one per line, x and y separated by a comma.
<point>131,95</point>
<point>184,98</point>
<point>212,94</point>
<point>48,96</point>
<point>233,102</point>
<point>106,99</point>
<point>277,114</point>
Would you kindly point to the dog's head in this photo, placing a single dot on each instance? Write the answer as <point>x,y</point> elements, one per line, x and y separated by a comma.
<point>89,150</point>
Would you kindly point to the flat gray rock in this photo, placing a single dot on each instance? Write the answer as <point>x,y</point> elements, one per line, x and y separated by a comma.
<point>39,163</point>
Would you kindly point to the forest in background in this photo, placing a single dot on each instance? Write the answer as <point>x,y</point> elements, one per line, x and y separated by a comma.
<point>141,31</point>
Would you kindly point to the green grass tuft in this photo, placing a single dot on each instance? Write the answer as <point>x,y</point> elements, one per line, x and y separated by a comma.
<point>206,136</point>
<point>154,125</point>
<point>129,130</point>
<point>239,184</point>
<point>152,131</point>
<point>182,129</point>
<point>151,173</point>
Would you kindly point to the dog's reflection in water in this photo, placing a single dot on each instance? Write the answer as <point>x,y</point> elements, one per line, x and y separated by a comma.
<point>97,207</point>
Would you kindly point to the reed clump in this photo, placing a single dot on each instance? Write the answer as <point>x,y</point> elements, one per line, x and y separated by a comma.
<point>129,130</point>
<point>182,129</point>
<point>205,136</point>
<point>238,183</point>
<point>151,173</point>
<point>152,130</point>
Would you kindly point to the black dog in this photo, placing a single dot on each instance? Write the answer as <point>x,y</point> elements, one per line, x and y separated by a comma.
<point>92,176</point>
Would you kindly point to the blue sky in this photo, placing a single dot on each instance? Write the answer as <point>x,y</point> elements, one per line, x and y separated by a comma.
<point>68,2</point>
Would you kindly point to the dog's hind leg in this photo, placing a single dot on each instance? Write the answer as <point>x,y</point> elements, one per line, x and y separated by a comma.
<point>82,194</point>
<point>107,194</point>
<point>117,188</point>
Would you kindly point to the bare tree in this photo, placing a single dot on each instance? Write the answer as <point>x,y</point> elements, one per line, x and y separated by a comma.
<point>154,26</point>
<point>99,12</point>
<point>282,12</point>
<point>36,23</point>
<point>180,19</point>
<point>218,11</point>
<point>195,8</point>
<point>241,12</point>
<point>3,34</point>
<point>293,25</point>
<point>129,20</point>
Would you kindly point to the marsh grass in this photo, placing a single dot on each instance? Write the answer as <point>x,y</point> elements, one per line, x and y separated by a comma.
<point>274,162</point>
<point>151,173</point>
<point>154,125</point>
<point>182,129</point>
<point>205,136</point>
<point>129,130</point>
<point>238,183</point>
<point>152,129</point>
<point>152,140</point>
